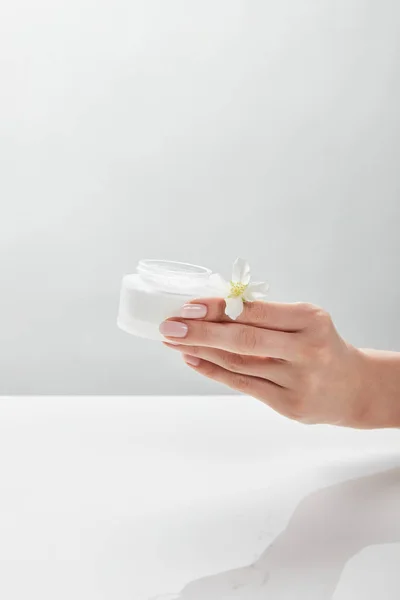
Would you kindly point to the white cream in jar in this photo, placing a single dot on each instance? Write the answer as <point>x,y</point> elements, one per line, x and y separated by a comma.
<point>157,291</point>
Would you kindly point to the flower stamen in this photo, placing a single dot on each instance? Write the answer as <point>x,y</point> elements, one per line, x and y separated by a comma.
<point>237,289</point>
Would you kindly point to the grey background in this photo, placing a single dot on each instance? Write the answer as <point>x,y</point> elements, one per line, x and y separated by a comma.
<point>194,131</point>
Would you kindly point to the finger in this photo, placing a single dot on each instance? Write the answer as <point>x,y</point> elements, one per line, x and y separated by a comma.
<point>265,368</point>
<point>263,390</point>
<point>270,315</point>
<point>233,337</point>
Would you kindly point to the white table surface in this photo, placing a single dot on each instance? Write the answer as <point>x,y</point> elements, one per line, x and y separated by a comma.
<point>197,498</point>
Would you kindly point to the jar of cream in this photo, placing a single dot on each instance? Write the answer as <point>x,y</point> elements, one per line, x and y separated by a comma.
<point>157,291</point>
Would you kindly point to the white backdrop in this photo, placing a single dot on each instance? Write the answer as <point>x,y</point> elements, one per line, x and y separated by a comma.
<point>193,131</point>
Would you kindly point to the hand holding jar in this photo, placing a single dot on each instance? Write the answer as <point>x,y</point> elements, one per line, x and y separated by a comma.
<point>291,357</point>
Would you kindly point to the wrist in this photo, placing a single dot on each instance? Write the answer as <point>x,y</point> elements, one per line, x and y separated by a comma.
<point>379,393</point>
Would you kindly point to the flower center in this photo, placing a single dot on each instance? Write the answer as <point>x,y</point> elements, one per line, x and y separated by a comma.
<point>237,289</point>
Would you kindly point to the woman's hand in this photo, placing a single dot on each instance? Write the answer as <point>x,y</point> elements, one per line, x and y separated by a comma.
<point>290,356</point>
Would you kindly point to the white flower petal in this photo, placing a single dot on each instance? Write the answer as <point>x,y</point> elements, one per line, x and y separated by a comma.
<point>248,296</point>
<point>259,286</point>
<point>256,291</point>
<point>241,271</point>
<point>257,296</point>
<point>219,285</point>
<point>234,307</point>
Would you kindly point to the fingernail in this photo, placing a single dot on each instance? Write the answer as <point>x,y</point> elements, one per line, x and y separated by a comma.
<point>173,329</point>
<point>193,311</point>
<point>191,360</point>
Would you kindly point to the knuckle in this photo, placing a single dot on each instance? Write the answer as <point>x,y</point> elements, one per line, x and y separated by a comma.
<point>258,311</point>
<point>234,362</point>
<point>321,350</point>
<point>307,308</point>
<point>318,317</point>
<point>323,321</point>
<point>216,309</point>
<point>203,331</point>
<point>242,383</point>
<point>315,352</point>
<point>246,338</point>
<point>193,350</point>
<point>316,345</point>
<point>220,309</point>
<point>209,369</point>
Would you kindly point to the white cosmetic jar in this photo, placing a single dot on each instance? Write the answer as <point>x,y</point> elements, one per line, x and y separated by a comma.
<point>157,291</point>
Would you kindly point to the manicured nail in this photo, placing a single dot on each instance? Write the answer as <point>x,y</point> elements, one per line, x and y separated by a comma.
<point>173,329</point>
<point>191,360</point>
<point>193,311</point>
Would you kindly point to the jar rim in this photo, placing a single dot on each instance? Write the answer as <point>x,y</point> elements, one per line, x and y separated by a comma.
<point>172,268</point>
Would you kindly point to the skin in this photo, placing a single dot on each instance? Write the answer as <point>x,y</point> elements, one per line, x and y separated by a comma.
<point>291,357</point>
